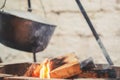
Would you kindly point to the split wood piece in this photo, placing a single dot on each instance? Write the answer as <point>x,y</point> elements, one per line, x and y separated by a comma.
<point>30,70</point>
<point>65,66</point>
<point>87,64</point>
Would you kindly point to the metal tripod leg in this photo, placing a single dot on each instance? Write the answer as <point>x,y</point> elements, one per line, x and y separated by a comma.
<point>94,33</point>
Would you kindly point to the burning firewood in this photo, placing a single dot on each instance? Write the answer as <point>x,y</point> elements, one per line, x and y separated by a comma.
<point>68,67</point>
<point>60,67</point>
<point>31,70</point>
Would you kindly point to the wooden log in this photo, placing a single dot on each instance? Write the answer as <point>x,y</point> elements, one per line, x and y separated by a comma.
<point>65,66</point>
<point>27,78</point>
<point>16,69</point>
<point>107,73</point>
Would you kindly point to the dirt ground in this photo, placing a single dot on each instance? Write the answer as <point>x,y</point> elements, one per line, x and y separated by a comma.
<point>72,33</point>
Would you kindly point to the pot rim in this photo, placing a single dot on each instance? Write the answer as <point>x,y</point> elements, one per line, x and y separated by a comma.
<point>27,16</point>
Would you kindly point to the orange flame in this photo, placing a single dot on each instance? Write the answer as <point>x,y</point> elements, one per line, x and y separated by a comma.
<point>42,70</point>
<point>45,70</point>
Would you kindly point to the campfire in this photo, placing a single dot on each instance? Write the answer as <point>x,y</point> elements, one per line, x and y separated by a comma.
<point>68,67</point>
<point>61,67</point>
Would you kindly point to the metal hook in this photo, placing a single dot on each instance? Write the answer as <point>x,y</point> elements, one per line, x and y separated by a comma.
<point>1,9</point>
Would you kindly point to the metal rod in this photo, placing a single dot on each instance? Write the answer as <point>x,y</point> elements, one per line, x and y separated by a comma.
<point>34,57</point>
<point>94,32</point>
<point>29,6</point>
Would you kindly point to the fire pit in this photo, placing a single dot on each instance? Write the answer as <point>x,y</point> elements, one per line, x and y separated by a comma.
<point>23,71</point>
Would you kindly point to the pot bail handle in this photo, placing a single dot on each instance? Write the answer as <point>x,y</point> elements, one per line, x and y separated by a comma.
<point>2,7</point>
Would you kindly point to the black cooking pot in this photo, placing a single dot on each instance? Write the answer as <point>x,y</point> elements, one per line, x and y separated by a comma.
<point>24,31</point>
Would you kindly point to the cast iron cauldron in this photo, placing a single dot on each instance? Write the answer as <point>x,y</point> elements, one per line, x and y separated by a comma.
<point>24,31</point>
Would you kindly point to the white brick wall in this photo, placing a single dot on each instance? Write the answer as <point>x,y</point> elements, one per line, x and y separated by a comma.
<point>72,33</point>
